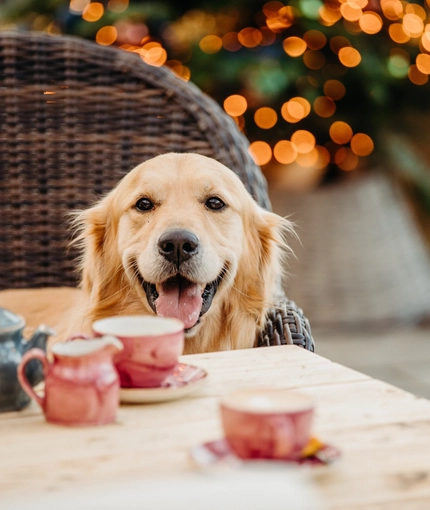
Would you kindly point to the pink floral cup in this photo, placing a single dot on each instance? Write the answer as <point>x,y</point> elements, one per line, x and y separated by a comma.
<point>152,346</point>
<point>267,423</point>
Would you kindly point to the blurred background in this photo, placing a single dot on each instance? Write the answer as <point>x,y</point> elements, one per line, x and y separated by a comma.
<point>334,98</point>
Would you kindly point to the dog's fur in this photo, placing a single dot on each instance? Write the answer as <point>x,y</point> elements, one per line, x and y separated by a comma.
<point>240,247</point>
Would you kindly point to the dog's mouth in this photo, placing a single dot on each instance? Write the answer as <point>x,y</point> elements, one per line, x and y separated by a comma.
<point>181,298</point>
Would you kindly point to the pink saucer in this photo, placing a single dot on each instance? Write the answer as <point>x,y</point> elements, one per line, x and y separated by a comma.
<point>218,451</point>
<point>185,379</point>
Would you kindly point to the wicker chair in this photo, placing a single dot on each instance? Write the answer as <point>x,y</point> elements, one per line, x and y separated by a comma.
<point>75,117</point>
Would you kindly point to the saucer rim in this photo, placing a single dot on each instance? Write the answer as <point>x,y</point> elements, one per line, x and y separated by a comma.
<point>161,394</point>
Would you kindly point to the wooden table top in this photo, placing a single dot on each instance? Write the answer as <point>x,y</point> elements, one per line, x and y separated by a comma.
<point>382,431</point>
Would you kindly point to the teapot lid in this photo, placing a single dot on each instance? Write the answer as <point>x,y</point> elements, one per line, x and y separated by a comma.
<point>10,321</point>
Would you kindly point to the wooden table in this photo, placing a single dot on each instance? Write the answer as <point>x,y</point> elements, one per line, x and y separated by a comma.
<point>383,432</point>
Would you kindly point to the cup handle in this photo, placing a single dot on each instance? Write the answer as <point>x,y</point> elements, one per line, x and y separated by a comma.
<point>26,386</point>
<point>78,336</point>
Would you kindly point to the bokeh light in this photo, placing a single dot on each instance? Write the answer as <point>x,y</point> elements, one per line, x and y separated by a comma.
<point>349,57</point>
<point>235,105</point>
<point>284,152</point>
<point>294,46</point>
<point>106,36</point>
<point>337,42</point>
<point>230,42</point>
<point>324,106</point>
<point>392,9</point>
<point>329,14</point>
<point>351,11</point>
<point>261,152</point>
<point>265,117</point>
<point>314,39</point>
<point>313,59</point>
<point>307,159</point>
<point>340,132</point>
<point>210,44</point>
<point>370,23</point>
<point>362,144</point>
<point>345,159</point>
<point>303,141</point>
<point>334,89</point>
<point>295,109</point>
<point>413,25</point>
<point>77,6</point>
<point>93,12</point>
<point>250,37</point>
<point>397,33</point>
<point>416,76</point>
<point>423,63</point>
<point>117,5</point>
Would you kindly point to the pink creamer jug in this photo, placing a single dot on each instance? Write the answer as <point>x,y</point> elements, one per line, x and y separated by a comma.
<point>81,383</point>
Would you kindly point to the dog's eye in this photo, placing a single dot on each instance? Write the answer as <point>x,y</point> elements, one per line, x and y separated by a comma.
<point>214,203</point>
<point>144,204</point>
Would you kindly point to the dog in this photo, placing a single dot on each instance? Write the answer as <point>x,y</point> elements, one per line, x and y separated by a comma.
<point>180,236</point>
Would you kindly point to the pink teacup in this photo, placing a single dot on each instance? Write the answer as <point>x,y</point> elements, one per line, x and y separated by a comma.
<point>267,423</point>
<point>152,346</point>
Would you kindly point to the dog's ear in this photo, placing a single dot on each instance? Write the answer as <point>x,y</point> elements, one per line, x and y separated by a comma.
<point>99,260</point>
<point>264,260</point>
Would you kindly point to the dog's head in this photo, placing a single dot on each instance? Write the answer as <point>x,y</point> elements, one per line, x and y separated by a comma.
<point>180,237</point>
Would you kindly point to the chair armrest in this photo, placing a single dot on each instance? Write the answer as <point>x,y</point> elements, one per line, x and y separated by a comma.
<point>286,325</point>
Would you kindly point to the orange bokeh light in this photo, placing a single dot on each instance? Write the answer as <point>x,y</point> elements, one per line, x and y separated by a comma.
<point>106,36</point>
<point>351,11</point>
<point>303,141</point>
<point>362,144</point>
<point>313,59</point>
<point>294,46</point>
<point>329,14</point>
<point>260,152</point>
<point>250,37</point>
<point>423,63</point>
<point>265,117</point>
<point>230,41</point>
<point>392,9</point>
<point>340,132</point>
<point>210,44</point>
<point>349,57</point>
<point>235,105</point>
<point>334,89</point>
<point>413,25</point>
<point>370,23</point>
<point>93,11</point>
<point>397,33</point>
<point>324,106</point>
<point>308,159</point>
<point>416,76</point>
<point>345,159</point>
<point>337,42</point>
<point>314,39</point>
<point>117,5</point>
<point>295,109</point>
<point>284,152</point>
<point>425,40</point>
<point>153,54</point>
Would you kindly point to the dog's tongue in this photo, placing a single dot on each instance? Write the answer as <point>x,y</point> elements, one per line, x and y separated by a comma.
<point>179,298</point>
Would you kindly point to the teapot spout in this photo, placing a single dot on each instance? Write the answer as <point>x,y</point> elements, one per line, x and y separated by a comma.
<point>34,369</point>
<point>39,338</point>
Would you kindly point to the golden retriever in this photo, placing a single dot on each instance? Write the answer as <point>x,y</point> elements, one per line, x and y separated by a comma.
<point>180,236</point>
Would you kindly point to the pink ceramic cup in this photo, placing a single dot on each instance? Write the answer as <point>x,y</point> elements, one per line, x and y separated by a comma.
<point>152,346</point>
<point>267,423</point>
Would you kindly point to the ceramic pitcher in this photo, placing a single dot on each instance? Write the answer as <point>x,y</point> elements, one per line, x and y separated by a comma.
<point>81,383</point>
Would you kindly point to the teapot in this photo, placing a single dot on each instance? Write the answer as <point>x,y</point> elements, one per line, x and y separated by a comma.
<point>12,347</point>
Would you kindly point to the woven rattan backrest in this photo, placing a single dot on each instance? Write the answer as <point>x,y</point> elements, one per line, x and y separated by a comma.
<point>74,118</point>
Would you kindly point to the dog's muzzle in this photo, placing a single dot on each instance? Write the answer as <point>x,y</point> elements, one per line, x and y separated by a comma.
<point>181,298</point>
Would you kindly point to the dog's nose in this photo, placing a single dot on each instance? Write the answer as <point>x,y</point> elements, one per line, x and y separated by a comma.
<point>177,246</point>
